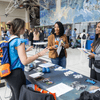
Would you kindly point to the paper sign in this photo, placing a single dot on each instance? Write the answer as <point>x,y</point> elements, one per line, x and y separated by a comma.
<point>60,89</point>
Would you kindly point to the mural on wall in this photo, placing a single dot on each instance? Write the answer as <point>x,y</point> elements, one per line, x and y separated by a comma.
<point>70,11</point>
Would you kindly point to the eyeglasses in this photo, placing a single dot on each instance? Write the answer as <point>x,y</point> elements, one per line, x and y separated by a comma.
<point>8,26</point>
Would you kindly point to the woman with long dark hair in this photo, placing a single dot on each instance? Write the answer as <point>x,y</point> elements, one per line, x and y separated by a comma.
<point>95,55</point>
<point>53,41</point>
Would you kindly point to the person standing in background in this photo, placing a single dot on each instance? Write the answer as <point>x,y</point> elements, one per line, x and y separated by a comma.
<point>68,33</point>
<point>5,35</point>
<point>2,33</point>
<point>73,36</point>
<point>8,33</point>
<point>41,36</point>
<point>36,36</point>
<point>26,34</point>
<point>30,37</point>
<point>53,42</point>
<point>83,36</point>
<point>8,26</point>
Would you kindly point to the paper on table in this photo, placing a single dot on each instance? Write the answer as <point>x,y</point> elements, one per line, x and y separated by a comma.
<point>60,69</point>
<point>46,65</point>
<point>59,48</point>
<point>36,75</point>
<point>36,61</point>
<point>60,89</point>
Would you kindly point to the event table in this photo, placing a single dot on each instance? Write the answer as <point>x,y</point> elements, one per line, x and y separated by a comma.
<point>45,39</point>
<point>59,77</point>
<point>38,44</point>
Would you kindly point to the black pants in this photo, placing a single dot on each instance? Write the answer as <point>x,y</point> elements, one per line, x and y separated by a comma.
<point>94,75</point>
<point>68,38</point>
<point>15,80</point>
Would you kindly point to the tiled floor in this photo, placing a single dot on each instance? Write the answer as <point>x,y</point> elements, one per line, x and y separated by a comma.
<point>76,61</point>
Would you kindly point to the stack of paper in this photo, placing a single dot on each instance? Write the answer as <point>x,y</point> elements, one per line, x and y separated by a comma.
<point>36,75</point>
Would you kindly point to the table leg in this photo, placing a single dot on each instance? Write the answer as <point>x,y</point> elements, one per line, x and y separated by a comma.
<point>37,46</point>
<point>39,49</point>
<point>36,49</point>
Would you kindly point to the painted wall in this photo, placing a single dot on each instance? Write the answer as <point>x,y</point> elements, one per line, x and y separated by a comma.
<point>71,11</point>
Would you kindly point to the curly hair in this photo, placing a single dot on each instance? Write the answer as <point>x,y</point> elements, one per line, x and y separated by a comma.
<point>61,28</point>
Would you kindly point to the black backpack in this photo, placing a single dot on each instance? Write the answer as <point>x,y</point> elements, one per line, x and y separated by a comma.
<point>27,93</point>
<point>84,36</point>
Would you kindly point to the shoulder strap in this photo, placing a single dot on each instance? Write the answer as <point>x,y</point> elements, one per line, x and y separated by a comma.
<point>12,38</point>
<point>14,63</point>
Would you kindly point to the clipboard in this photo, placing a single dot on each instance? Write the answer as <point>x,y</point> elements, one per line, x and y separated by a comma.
<point>59,48</point>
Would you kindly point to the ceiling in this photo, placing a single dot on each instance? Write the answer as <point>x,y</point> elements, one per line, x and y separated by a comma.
<point>5,0</point>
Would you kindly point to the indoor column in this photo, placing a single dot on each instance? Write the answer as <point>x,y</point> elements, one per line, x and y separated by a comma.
<point>27,18</point>
<point>0,28</point>
<point>4,25</point>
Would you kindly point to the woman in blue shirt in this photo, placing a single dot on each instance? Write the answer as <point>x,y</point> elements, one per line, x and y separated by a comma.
<point>17,50</point>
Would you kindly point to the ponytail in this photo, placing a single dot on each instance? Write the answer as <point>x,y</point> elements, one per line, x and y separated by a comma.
<point>16,25</point>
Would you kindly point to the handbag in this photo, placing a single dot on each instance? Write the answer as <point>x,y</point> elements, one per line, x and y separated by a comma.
<point>90,63</point>
<point>97,63</point>
<point>28,93</point>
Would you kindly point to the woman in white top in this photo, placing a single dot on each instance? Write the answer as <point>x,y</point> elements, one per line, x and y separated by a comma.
<point>36,36</point>
<point>83,38</point>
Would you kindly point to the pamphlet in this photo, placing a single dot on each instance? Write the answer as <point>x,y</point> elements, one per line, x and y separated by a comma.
<point>60,89</point>
<point>84,50</point>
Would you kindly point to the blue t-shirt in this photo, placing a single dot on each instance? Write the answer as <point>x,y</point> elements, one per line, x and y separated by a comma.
<point>73,33</point>
<point>13,53</point>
